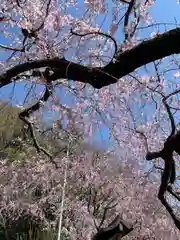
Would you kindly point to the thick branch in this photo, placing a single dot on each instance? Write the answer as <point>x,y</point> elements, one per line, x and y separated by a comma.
<point>148,51</point>
<point>161,46</point>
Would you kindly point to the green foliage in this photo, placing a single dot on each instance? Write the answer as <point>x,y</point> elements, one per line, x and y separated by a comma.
<point>16,226</point>
<point>11,126</point>
<point>31,233</point>
<point>15,153</point>
<point>37,235</point>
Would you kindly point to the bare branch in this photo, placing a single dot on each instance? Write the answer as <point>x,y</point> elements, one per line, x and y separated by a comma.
<point>108,206</point>
<point>24,116</point>
<point>127,15</point>
<point>173,126</point>
<point>12,49</point>
<point>99,33</point>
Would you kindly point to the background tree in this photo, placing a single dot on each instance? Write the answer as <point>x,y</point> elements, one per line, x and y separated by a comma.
<point>10,124</point>
<point>98,189</point>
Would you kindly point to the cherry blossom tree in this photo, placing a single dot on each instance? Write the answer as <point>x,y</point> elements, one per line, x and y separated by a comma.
<point>102,195</point>
<point>72,47</point>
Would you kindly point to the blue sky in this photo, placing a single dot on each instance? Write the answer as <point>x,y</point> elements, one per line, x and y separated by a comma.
<point>162,11</point>
<point>166,11</point>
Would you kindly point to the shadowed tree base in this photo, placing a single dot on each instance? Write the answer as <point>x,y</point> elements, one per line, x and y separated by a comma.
<point>116,230</point>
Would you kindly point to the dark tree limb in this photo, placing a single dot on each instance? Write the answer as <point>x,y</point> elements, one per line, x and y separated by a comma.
<point>26,113</point>
<point>117,229</point>
<point>127,15</point>
<point>164,100</point>
<point>169,173</point>
<point>172,192</point>
<point>170,211</point>
<point>171,118</point>
<point>11,49</point>
<point>148,51</point>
